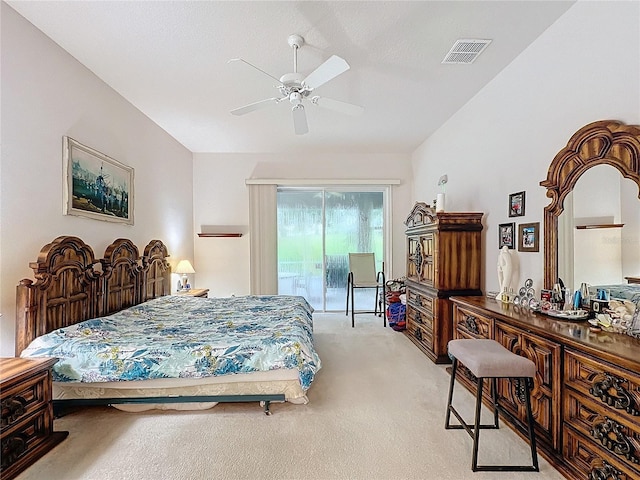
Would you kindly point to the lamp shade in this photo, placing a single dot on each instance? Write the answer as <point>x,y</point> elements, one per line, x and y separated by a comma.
<point>184,266</point>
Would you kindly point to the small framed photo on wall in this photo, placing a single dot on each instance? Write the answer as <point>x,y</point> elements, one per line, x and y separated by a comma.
<point>516,204</point>
<point>506,235</point>
<point>529,237</point>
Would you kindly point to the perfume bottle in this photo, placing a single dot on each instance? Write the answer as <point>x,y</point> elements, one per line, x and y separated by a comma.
<point>577,300</point>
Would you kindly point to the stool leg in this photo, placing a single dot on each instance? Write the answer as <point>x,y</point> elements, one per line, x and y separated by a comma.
<point>454,368</point>
<point>494,397</point>
<point>476,429</point>
<point>532,433</point>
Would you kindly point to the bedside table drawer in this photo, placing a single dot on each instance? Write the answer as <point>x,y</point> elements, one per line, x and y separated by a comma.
<point>19,441</point>
<point>27,413</point>
<point>22,399</point>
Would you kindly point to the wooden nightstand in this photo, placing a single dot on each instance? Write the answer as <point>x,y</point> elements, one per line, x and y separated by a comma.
<point>27,413</point>
<point>195,292</point>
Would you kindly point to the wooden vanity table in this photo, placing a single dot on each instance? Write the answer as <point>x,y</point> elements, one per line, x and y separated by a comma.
<point>586,396</point>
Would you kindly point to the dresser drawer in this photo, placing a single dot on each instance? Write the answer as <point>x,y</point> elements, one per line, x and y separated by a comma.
<point>470,324</point>
<point>421,300</point>
<point>420,335</point>
<point>610,433</point>
<point>420,317</point>
<point>21,399</point>
<point>547,387</point>
<point>590,462</point>
<point>605,384</point>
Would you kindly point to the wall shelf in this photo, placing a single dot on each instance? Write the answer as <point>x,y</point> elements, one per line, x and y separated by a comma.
<point>607,225</point>
<point>228,235</point>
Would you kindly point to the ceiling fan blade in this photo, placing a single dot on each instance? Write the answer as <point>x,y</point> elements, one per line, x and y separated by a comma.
<point>257,68</point>
<point>300,120</point>
<point>255,106</point>
<point>338,106</point>
<point>330,69</point>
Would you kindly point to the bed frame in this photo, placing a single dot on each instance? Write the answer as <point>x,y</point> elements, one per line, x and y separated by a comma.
<point>71,286</point>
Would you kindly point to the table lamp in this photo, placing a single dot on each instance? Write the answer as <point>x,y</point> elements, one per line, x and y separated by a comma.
<point>184,267</point>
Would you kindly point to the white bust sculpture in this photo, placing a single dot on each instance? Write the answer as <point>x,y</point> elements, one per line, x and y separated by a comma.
<point>505,271</point>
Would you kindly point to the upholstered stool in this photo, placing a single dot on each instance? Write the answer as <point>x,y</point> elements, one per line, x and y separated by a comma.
<point>488,359</point>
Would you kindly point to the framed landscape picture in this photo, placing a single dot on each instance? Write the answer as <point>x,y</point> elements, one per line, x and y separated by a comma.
<point>516,204</point>
<point>96,186</point>
<point>506,235</point>
<point>529,237</point>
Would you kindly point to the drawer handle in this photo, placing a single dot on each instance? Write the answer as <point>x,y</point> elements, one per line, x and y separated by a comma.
<point>418,334</point>
<point>12,409</point>
<point>471,324</point>
<point>12,448</point>
<point>418,317</point>
<point>470,376</point>
<point>622,400</point>
<point>519,390</point>
<point>417,259</point>
<point>609,435</point>
<point>605,472</point>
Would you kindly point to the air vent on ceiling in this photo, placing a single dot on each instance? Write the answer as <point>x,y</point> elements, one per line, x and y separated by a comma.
<point>465,51</point>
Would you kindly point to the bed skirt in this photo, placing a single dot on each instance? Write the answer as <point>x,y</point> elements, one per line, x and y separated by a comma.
<point>275,382</point>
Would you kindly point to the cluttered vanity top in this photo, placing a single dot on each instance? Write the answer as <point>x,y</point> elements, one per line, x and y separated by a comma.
<point>570,331</point>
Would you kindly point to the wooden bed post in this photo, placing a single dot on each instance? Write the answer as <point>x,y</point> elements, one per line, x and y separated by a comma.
<point>25,315</point>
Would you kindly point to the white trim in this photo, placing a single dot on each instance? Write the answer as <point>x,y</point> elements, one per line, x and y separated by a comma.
<point>320,181</point>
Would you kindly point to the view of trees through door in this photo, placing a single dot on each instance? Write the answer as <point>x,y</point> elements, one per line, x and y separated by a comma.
<point>317,229</point>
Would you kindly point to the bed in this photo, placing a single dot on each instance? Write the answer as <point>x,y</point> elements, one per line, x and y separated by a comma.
<point>122,340</point>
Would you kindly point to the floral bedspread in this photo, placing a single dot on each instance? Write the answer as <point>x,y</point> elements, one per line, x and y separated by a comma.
<point>186,337</point>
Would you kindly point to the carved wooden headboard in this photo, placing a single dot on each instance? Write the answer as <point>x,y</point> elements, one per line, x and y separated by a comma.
<point>71,285</point>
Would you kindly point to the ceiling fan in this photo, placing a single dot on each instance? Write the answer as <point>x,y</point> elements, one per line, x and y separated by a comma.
<point>296,88</point>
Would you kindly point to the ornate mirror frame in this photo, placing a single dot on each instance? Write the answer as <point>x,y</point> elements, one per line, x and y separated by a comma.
<point>604,142</point>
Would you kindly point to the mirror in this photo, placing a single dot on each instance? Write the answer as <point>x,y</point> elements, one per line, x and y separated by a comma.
<point>599,230</point>
<point>606,142</point>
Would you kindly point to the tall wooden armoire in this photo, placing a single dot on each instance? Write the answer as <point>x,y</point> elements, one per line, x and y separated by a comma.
<point>444,255</point>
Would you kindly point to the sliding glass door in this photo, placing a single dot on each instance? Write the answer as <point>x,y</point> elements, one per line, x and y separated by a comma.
<point>317,229</point>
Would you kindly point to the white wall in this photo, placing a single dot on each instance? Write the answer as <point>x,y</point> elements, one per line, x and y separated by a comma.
<point>583,68</point>
<point>47,94</point>
<point>221,198</point>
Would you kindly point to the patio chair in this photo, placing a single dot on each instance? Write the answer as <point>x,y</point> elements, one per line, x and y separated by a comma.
<point>362,274</point>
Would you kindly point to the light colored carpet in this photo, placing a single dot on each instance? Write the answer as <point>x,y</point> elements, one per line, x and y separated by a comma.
<point>376,411</point>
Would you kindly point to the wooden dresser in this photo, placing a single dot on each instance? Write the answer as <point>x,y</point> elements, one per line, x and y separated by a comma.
<point>27,413</point>
<point>586,397</point>
<point>444,255</point>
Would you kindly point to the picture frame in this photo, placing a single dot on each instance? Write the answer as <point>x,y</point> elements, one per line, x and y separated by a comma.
<point>529,237</point>
<point>516,204</point>
<point>506,235</point>
<point>95,185</point>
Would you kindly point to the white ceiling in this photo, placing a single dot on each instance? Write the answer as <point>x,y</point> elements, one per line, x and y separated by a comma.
<point>169,59</point>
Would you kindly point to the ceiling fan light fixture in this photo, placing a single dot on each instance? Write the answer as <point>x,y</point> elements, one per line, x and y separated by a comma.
<point>296,87</point>
<point>295,98</point>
